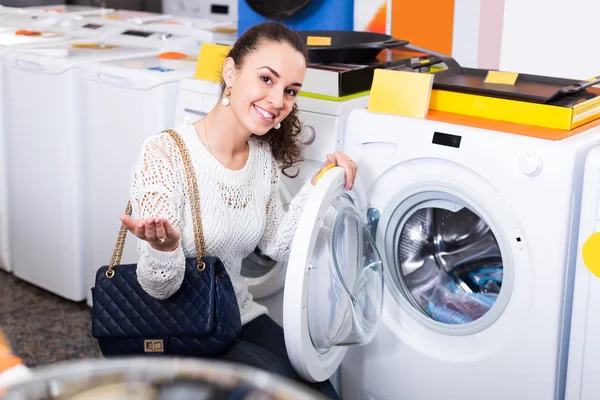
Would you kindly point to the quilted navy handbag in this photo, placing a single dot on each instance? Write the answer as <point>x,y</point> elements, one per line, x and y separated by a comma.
<point>201,319</point>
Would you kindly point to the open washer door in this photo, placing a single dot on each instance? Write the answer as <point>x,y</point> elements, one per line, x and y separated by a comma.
<point>333,294</point>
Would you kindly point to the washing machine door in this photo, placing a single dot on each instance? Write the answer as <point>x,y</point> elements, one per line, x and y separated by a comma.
<point>277,10</point>
<point>334,283</point>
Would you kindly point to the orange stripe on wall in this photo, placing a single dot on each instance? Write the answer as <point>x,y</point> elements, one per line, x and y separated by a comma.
<point>426,24</point>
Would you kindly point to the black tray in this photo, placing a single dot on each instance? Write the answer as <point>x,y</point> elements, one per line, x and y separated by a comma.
<point>530,88</point>
<point>349,47</point>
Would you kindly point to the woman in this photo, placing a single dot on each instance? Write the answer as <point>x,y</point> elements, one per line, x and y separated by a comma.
<point>238,151</point>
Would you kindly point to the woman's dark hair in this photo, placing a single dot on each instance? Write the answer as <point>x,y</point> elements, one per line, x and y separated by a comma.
<point>284,143</point>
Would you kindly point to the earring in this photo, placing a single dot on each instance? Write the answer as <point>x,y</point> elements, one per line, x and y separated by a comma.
<point>277,125</point>
<point>225,101</point>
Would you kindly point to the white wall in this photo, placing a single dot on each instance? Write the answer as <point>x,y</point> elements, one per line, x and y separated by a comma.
<point>551,37</point>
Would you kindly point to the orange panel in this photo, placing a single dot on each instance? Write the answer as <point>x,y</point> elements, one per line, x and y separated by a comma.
<point>378,22</point>
<point>509,127</point>
<point>426,24</point>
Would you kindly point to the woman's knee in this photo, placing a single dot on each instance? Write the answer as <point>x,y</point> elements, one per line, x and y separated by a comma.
<point>258,357</point>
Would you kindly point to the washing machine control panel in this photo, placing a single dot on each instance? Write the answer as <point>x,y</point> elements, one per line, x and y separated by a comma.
<point>308,134</point>
<point>530,164</point>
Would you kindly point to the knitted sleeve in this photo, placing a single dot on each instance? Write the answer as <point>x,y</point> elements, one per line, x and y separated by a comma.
<point>157,191</point>
<point>280,225</point>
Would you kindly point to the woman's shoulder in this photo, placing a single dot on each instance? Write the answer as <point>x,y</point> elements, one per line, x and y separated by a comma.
<point>163,140</point>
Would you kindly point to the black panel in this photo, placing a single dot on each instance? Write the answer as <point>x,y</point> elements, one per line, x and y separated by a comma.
<point>445,139</point>
<point>219,9</point>
<point>138,33</point>
<point>93,26</point>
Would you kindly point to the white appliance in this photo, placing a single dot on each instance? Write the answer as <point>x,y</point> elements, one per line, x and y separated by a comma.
<point>52,29</point>
<point>323,124</point>
<point>216,10</point>
<point>477,228</point>
<point>224,32</point>
<point>584,351</point>
<point>123,103</point>
<point>45,152</point>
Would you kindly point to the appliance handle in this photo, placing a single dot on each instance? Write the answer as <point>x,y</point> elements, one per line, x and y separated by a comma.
<point>580,86</point>
<point>113,79</point>
<point>29,65</point>
<point>92,13</point>
<point>150,19</point>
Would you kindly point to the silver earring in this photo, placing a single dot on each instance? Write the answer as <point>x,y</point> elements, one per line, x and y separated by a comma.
<point>277,125</point>
<point>225,101</point>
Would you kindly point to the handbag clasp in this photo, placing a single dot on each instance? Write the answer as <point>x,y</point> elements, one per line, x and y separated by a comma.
<point>154,346</point>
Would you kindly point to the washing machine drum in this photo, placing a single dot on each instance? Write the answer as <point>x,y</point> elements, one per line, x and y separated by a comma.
<point>450,264</point>
<point>277,10</point>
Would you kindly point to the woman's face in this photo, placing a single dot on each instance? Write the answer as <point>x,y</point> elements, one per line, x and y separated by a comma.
<point>264,90</point>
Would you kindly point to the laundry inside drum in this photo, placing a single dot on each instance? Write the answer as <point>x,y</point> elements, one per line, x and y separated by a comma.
<point>449,264</point>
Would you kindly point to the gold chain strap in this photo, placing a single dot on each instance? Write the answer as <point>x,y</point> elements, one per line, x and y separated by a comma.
<point>194,203</point>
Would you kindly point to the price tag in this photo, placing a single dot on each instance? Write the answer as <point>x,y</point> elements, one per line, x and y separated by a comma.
<point>502,78</point>
<point>318,41</point>
<point>401,93</point>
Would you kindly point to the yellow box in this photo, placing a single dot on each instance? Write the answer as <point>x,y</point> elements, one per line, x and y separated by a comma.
<point>521,112</point>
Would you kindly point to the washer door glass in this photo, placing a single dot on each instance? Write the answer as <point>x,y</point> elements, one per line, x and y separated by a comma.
<point>345,284</point>
<point>449,264</point>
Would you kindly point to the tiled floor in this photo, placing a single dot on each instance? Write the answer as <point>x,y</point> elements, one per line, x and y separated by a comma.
<point>44,328</point>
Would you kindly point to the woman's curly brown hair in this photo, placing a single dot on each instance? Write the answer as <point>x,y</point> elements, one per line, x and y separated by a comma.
<point>284,141</point>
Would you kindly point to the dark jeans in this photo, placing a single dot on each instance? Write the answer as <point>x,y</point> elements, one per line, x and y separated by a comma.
<point>262,345</point>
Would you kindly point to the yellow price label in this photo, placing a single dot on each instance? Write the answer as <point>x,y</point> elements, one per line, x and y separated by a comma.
<point>400,93</point>
<point>318,41</point>
<point>210,62</point>
<point>591,254</point>
<point>500,77</point>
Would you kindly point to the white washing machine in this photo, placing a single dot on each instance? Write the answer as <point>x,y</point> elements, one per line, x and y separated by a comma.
<point>584,350</point>
<point>45,152</point>
<point>323,124</point>
<point>477,227</point>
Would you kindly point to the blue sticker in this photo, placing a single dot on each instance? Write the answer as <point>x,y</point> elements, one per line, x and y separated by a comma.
<point>161,69</point>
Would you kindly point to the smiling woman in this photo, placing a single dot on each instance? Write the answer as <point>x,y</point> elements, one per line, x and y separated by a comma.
<point>275,61</point>
<point>238,152</point>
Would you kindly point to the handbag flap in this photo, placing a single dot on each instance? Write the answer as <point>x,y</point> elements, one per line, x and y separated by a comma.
<point>123,309</point>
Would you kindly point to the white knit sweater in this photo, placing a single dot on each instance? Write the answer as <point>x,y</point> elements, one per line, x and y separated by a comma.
<point>240,210</point>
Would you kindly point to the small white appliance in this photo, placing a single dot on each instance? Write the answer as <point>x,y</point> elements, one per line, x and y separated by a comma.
<point>323,123</point>
<point>477,228</point>
<point>45,151</point>
<point>216,10</point>
<point>584,351</point>
<point>224,32</point>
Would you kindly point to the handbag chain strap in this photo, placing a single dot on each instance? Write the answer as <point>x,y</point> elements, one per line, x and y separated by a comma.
<point>194,204</point>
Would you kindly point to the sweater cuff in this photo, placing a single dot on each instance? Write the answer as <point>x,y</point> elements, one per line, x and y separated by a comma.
<point>164,258</point>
